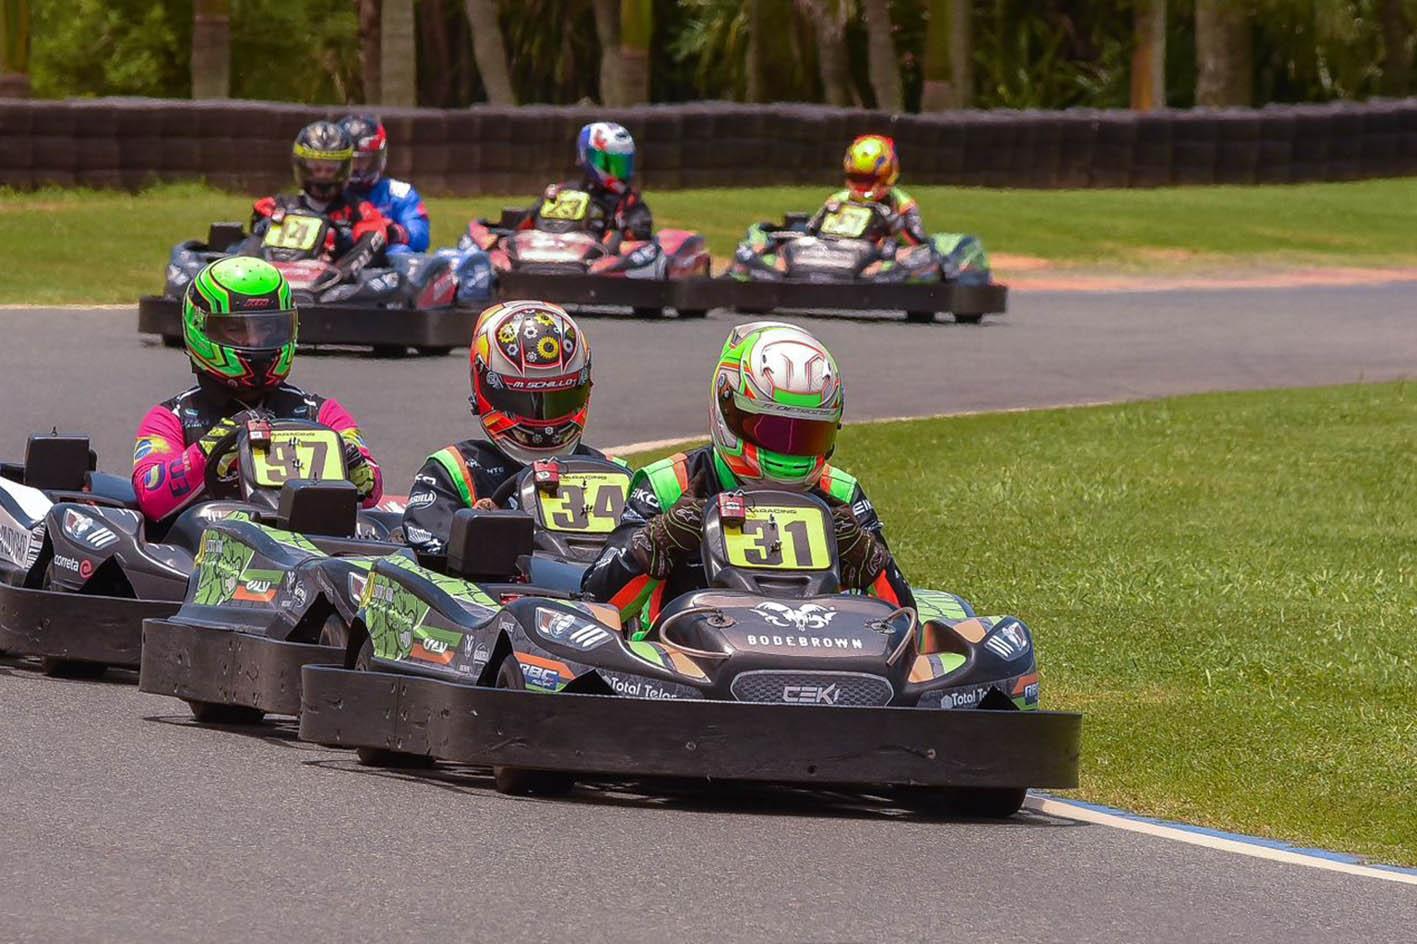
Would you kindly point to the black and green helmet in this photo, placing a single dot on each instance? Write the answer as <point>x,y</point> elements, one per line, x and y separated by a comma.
<point>239,324</point>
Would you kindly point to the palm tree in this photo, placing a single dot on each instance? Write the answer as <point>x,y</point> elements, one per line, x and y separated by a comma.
<point>1149,55</point>
<point>369,48</point>
<point>490,52</point>
<point>883,64</point>
<point>636,31</point>
<point>607,33</point>
<point>949,55</point>
<point>1224,53</point>
<point>211,49</point>
<point>14,48</point>
<point>398,55</point>
<point>829,17</point>
<point>1397,54</point>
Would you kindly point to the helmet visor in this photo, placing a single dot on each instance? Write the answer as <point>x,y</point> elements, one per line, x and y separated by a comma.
<point>618,166</point>
<point>863,182</point>
<point>785,434</point>
<point>368,164</point>
<point>517,398</point>
<point>266,330</point>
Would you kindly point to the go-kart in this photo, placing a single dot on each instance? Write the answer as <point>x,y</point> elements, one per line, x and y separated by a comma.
<point>365,298</point>
<point>770,674</point>
<point>81,567</point>
<point>235,659</point>
<point>559,260</point>
<point>844,267</point>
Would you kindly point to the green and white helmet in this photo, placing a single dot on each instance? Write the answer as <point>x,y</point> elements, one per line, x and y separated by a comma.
<point>776,405</point>
<point>239,324</point>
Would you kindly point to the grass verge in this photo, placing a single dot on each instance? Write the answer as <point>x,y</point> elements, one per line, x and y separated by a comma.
<point>81,246</point>
<point>1225,584</point>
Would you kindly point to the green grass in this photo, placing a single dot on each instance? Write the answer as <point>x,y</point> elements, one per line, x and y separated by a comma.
<point>1225,584</point>
<point>108,246</point>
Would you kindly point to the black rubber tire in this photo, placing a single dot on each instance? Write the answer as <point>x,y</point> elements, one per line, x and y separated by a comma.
<point>518,781</point>
<point>920,317</point>
<point>693,312</point>
<point>71,669</point>
<point>390,350</point>
<point>969,319</point>
<point>172,340</point>
<point>973,802</point>
<point>211,712</point>
<point>433,351</point>
<point>378,756</point>
<point>649,313</point>
<point>333,632</point>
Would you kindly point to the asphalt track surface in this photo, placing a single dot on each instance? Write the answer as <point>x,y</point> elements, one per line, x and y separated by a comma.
<point>126,822</point>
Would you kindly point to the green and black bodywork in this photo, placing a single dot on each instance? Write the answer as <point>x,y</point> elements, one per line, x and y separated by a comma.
<point>769,674</point>
<point>784,266</point>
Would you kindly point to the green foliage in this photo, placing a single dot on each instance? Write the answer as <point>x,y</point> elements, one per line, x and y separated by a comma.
<point>110,47</point>
<point>304,52</point>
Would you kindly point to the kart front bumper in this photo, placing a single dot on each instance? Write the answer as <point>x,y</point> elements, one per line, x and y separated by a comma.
<point>609,735</point>
<point>226,667</point>
<point>336,324</point>
<point>767,294</point>
<point>76,627</point>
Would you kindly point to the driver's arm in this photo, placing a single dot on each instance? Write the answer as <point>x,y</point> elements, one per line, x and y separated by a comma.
<point>907,224</point>
<point>888,583</point>
<point>167,475</point>
<point>634,218</point>
<point>617,577</point>
<point>369,480</point>
<point>433,499</point>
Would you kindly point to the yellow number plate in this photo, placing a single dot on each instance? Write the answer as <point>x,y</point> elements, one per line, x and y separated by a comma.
<point>568,205</point>
<point>585,502</point>
<point>849,222</point>
<point>293,232</point>
<point>778,537</point>
<point>298,454</point>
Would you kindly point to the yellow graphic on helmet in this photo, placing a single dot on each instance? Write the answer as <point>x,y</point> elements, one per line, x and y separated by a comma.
<point>548,347</point>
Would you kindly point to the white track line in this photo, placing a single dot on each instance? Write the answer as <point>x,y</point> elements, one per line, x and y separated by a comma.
<point>1212,839</point>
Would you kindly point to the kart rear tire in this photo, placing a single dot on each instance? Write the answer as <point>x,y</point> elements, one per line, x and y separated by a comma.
<point>968,318</point>
<point>391,351</point>
<point>649,313</point>
<point>71,668</point>
<point>518,781</point>
<point>920,317</point>
<point>433,351</point>
<point>172,340</point>
<point>693,312</point>
<point>213,712</point>
<point>972,802</point>
<point>378,756</point>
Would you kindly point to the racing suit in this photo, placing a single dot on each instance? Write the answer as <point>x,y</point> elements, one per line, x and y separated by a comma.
<point>900,222</point>
<point>610,214</point>
<point>351,219</point>
<point>400,203</point>
<point>618,578</point>
<point>169,467</point>
<point>453,478</point>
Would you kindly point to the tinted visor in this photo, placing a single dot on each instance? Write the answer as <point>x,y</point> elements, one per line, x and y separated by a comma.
<point>619,166</point>
<point>534,405</point>
<point>368,164</point>
<point>265,330</point>
<point>784,434</point>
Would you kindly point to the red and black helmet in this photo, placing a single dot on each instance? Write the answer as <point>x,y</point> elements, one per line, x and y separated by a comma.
<point>371,149</point>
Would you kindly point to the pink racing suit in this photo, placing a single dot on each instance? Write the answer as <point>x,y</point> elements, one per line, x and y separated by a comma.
<point>169,468</point>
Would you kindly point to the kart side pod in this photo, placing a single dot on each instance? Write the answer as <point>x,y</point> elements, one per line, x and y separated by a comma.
<point>485,545</point>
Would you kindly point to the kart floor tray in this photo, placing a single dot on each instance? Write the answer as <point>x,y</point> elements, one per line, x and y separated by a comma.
<point>226,667</point>
<point>76,627</point>
<point>854,296</point>
<point>644,737</point>
<point>336,324</point>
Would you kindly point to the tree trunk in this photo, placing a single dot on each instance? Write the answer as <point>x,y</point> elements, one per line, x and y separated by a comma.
<point>490,52</point>
<point>607,33</point>
<point>883,64</point>
<point>398,55</point>
<point>14,49</point>
<point>830,23</point>
<point>211,49</point>
<point>1149,55</point>
<point>949,56</point>
<point>758,44</point>
<point>636,31</point>
<point>437,88</point>
<point>1397,54</point>
<point>1224,53</point>
<point>369,43</point>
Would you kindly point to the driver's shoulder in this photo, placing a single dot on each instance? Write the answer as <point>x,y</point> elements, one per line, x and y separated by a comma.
<point>839,483</point>
<point>667,478</point>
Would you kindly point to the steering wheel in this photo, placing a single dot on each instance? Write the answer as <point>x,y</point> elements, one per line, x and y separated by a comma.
<point>227,443</point>
<point>505,490</point>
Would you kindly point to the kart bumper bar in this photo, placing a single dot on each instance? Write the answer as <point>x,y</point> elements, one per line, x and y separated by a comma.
<point>765,295</point>
<point>226,667</point>
<point>590,290</point>
<point>77,627</point>
<point>596,734</point>
<point>334,324</point>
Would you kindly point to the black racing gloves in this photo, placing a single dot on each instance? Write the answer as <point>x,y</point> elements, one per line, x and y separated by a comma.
<point>670,535</point>
<point>860,554</point>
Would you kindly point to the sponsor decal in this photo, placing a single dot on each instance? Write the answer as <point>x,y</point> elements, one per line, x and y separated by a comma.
<point>569,630</point>
<point>66,563</point>
<point>153,477</point>
<point>392,614</point>
<point>1008,641</point>
<point>811,694</point>
<point>803,642</point>
<point>546,674</point>
<point>804,617</point>
<point>417,535</point>
<point>645,495</point>
<point>964,697</point>
<point>86,569</point>
<point>19,545</point>
<point>259,586</point>
<point>424,480</point>
<point>428,648</point>
<point>862,509</point>
<point>144,447</point>
<point>86,530</point>
<point>422,499</point>
<point>637,688</point>
<point>221,562</point>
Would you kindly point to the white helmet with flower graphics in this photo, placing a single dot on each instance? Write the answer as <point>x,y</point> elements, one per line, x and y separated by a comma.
<point>776,405</point>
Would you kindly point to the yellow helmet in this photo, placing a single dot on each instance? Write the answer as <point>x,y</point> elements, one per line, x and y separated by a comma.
<point>871,167</point>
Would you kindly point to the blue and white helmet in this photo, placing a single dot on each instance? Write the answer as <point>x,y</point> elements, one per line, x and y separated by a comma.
<point>606,152</point>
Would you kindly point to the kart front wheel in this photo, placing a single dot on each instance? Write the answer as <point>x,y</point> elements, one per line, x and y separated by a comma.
<point>518,781</point>
<point>378,756</point>
<point>693,312</point>
<point>71,669</point>
<point>973,802</point>
<point>212,712</point>
<point>649,313</point>
<point>969,319</point>
<point>920,317</point>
